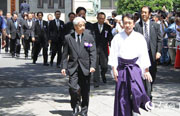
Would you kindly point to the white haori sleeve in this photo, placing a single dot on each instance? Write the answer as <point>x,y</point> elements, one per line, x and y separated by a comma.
<point>144,60</point>
<point>113,56</point>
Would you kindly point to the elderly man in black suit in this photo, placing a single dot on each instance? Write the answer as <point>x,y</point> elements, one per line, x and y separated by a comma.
<point>56,34</point>
<point>152,34</point>
<point>27,31</point>
<point>81,49</point>
<point>40,40</point>
<point>103,36</point>
<point>14,33</point>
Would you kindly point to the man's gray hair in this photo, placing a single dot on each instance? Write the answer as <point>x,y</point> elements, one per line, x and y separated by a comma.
<point>77,20</point>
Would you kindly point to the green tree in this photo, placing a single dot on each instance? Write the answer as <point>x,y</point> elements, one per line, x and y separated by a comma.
<point>176,5</point>
<point>131,6</point>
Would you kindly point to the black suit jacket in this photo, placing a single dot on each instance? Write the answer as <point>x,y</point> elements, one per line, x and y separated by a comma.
<point>155,37</point>
<point>85,57</point>
<point>12,30</point>
<point>69,28</point>
<point>55,34</point>
<point>26,30</point>
<point>102,39</point>
<point>41,34</point>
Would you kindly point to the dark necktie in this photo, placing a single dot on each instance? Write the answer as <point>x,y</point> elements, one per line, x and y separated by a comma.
<point>57,23</point>
<point>40,23</point>
<point>146,34</point>
<point>100,28</point>
<point>78,41</point>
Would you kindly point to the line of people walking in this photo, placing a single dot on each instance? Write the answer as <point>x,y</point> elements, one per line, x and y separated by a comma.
<point>82,49</point>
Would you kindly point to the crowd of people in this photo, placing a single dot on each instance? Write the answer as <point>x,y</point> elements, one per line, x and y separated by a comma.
<point>132,44</point>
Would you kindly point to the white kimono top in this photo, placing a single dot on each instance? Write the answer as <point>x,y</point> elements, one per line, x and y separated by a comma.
<point>129,47</point>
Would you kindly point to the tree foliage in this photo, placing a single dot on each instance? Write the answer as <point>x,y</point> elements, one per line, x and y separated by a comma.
<point>131,6</point>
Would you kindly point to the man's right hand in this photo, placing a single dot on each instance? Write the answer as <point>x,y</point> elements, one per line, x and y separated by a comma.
<point>33,39</point>
<point>9,36</point>
<point>49,41</point>
<point>22,36</point>
<point>63,71</point>
<point>115,74</point>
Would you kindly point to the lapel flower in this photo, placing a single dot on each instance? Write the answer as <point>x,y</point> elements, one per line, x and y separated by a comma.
<point>88,45</point>
<point>61,26</point>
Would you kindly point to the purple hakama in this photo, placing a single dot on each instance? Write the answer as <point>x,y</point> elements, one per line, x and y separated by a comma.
<point>130,94</point>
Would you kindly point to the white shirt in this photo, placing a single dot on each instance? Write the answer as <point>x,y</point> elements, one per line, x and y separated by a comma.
<point>129,47</point>
<point>99,26</point>
<point>177,33</point>
<point>29,23</point>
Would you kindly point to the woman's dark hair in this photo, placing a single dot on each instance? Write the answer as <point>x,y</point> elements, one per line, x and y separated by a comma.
<point>79,9</point>
<point>71,13</point>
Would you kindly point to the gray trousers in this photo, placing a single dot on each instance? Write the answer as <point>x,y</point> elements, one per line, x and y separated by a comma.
<point>171,51</point>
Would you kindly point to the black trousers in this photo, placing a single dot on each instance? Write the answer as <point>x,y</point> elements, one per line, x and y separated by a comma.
<point>56,48</point>
<point>102,61</point>
<point>152,70</point>
<point>79,89</point>
<point>7,44</point>
<point>37,48</point>
<point>15,45</point>
<point>27,45</point>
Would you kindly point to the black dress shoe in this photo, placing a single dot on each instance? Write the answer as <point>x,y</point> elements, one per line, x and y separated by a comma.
<point>34,62</point>
<point>17,55</point>
<point>51,63</point>
<point>46,64</point>
<point>96,86</point>
<point>104,79</point>
<point>58,66</point>
<point>84,114</point>
<point>76,111</point>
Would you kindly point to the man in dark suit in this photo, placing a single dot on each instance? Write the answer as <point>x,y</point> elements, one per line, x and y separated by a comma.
<point>24,7</point>
<point>56,33</point>
<point>103,36</point>
<point>68,27</point>
<point>151,32</point>
<point>14,33</point>
<point>27,31</point>
<point>81,12</point>
<point>40,40</point>
<point>81,49</point>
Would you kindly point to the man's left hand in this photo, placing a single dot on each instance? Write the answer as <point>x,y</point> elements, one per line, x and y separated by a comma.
<point>92,70</point>
<point>3,43</point>
<point>158,55</point>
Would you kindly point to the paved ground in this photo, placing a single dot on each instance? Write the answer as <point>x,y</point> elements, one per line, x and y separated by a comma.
<point>36,90</point>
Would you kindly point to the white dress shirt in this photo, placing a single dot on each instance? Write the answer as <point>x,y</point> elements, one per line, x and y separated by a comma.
<point>129,47</point>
